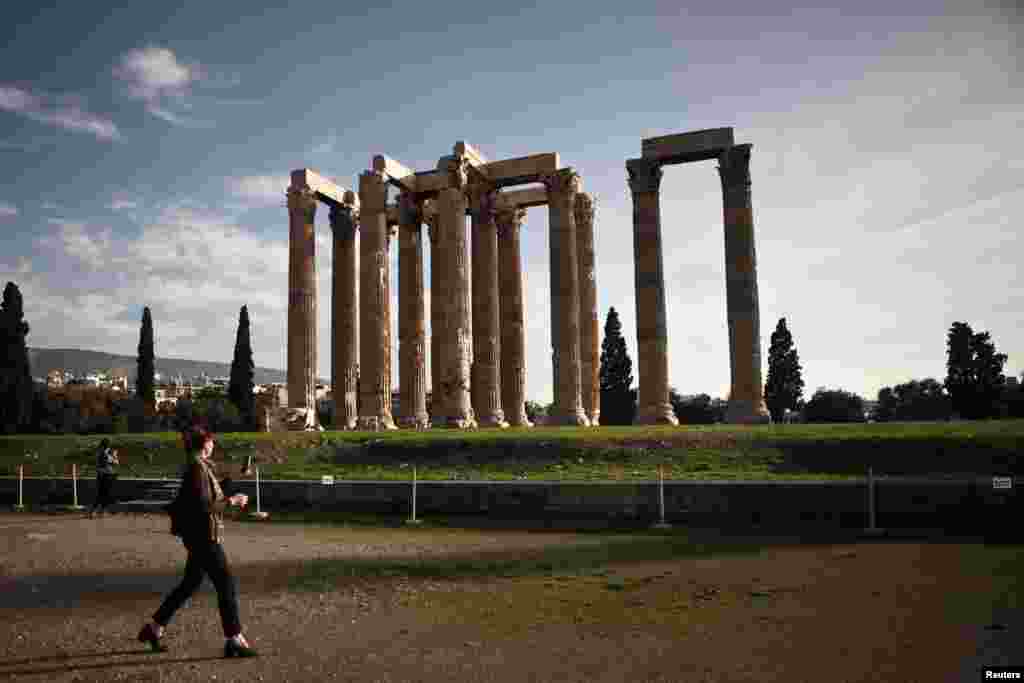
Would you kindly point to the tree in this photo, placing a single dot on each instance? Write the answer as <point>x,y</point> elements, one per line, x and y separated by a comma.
<point>974,372</point>
<point>924,399</point>
<point>241,386</point>
<point>618,405</point>
<point>699,409</point>
<point>785,385</point>
<point>145,371</point>
<point>15,370</point>
<point>534,410</point>
<point>834,405</point>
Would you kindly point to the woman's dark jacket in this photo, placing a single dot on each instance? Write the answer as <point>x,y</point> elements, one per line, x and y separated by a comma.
<point>196,515</point>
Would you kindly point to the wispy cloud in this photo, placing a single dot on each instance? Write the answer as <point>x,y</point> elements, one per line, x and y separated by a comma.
<point>119,204</point>
<point>7,210</point>
<point>264,190</point>
<point>64,112</point>
<point>157,77</point>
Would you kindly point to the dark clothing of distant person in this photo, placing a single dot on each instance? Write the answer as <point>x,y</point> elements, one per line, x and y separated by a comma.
<point>105,476</point>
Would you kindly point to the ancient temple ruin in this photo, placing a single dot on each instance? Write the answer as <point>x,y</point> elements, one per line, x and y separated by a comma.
<point>479,369</point>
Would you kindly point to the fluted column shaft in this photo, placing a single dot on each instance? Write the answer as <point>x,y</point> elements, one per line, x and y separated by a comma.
<point>457,338</point>
<point>302,300</point>
<point>345,317</point>
<point>412,368</point>
<point>438,414</point>
<point>485,374</point>
<point>374,305</point>
<point>590,354</point>
<point>649,276</point>
<point>746,402</point>
<point>513,339</point>
<point>562,187</point>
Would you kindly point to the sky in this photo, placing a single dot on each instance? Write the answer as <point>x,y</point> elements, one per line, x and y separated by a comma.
<point>145,152</point>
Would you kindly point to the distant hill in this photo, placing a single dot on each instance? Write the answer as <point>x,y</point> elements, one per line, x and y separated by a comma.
<point>83,361</point>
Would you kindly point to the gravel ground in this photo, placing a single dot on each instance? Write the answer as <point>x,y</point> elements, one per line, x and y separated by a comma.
<point>74,592</point>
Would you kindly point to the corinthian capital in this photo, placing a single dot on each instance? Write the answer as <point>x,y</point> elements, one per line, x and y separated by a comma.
<point>302,199</point>
<point>584,208</point>
<point>564,181</point>
<point>483,201</point>
<point>644,175</point>
<point>344,220</point>
<point>734,166</point>
<point>410,213</point>
<point>373,192</point>
<point>455,167</point>
<point>510,221</point>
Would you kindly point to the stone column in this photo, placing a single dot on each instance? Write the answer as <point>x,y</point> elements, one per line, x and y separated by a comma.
<point>302,303</point>
<point>438,412</point>
<point>746,403</point>
<point>485,377</point>
<point>562,187</point>
<point>590,354</point>
<point>457,339</point>
<point>412,336</point>
<point>374,305</point>
<point>513,338</point>
<point>649,277</point>
<point>345,314</point>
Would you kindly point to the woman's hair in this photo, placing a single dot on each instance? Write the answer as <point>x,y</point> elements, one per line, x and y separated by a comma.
<point>194,437</point>
<point>105,443</point>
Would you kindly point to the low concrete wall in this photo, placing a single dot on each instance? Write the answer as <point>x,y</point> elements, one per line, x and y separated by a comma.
<point>969,505</point>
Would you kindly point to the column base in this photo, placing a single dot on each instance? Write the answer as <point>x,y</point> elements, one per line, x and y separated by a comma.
<point>458,423</point>
<point>576,418</point>
<point>520,422</point>
<point>414,422</point>
<point>658,414</point>
<point>595,419</point>
<point>375,423</point>
<point>741,411</point>
<point>300,419</point>
<point>497,420</point>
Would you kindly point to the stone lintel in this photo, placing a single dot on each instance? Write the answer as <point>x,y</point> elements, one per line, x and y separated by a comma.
<point>522,199</point>
<point>325,189</point>
<point>395,172</point>
<point>430,181</point>
<point>681,148</point>
<point>522,169</point>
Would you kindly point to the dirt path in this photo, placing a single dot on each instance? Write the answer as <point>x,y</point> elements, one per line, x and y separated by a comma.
<point>73,593</point>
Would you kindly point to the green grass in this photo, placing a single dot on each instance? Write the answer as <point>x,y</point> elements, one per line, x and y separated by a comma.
<point>766,452</point>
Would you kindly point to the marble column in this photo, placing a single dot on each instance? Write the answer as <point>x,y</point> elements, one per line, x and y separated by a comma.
<point>302,303</point>
<point>374,305</point>
<point>412,336</point>
<point>485,373</point>
<point>345,314</point>
<point>438,410</point>
<point>649,277</point>
<point>513,337</point>
<point>457,340</point>
<point>746,402</point>
<point>562,187</point>
<point>590,353</point>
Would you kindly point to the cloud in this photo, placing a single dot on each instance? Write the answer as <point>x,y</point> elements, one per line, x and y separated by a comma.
<point>265,190</point>
<point>122,204</point>
<point>156,76</point>
<point>7,210</point>
<point>64,112</point>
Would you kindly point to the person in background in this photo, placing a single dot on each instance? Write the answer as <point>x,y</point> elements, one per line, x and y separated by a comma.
<point>106,458</point>
<point>198,519</point>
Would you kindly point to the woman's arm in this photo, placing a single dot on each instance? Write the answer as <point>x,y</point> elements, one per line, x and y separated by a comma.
<point>200,490</point>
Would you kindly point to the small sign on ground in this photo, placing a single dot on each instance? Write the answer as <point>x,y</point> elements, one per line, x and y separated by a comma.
<point>327,479</point>
<point>1002,483</point>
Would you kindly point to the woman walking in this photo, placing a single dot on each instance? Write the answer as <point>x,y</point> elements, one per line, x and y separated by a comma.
<point>106,458</point>
<point>198,519</point>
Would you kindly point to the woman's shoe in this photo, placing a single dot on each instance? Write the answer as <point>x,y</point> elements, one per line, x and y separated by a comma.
<point>233,649</point>
<point>147,635</point>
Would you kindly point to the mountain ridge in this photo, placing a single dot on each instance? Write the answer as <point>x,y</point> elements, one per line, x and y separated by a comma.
<point>82,361</point>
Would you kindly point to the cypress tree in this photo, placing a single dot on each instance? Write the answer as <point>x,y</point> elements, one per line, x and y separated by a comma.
<point>618,403</point>
<point>145,371</point>
<point>242,371</point>
<point>15,371</point>
<point>785,384</point>
<point>974,372</point>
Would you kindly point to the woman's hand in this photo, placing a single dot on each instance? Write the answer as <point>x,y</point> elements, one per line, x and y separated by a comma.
<point>239,499</point>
